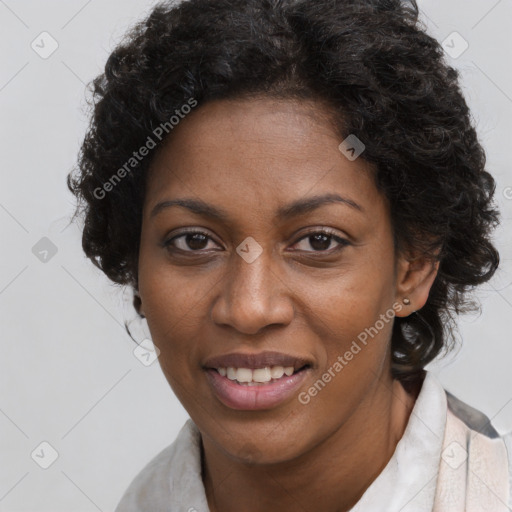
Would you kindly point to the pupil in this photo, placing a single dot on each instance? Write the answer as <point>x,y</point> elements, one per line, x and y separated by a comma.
<point>325,241</point>
<point>196,240</point>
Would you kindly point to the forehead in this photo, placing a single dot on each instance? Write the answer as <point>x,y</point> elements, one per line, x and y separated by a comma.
<point>258,153</point>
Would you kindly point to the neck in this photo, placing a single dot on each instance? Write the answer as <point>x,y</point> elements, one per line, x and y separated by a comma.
<point>332,477</point>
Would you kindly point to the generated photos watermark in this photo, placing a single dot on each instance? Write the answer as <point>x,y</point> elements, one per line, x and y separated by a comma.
<point>158,133</point>
<point>343,360</point>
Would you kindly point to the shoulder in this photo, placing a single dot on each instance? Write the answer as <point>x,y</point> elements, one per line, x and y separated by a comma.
<point>472,417</point>
<point>507,439</point>
<point>157,484</point>
<point>485,442</point>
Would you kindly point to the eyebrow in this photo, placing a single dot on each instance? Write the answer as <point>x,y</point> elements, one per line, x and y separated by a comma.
<point>294,209</point>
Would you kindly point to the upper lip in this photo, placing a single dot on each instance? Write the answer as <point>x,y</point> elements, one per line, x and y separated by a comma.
<point>259,360</point>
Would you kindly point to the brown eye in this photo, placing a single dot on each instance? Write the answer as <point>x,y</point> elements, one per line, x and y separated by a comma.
<point>192,241</point>
<point>321,241</point>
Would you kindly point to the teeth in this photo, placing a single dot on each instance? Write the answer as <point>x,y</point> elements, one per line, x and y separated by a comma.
<point>276,372</point>
<point>261,375</point>
<point>244,375</point>
<point>251,377</point>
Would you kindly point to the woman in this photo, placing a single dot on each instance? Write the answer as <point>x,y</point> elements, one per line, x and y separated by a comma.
<point>296,194</point>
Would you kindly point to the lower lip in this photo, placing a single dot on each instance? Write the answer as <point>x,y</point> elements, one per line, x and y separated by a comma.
<point>261,396</point>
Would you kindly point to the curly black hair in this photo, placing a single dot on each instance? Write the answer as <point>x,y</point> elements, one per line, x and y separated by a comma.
<point>386,81</point>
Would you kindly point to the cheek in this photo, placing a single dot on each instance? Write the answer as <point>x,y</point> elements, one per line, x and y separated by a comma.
<point>174,310</point>
<point>172,296</point>
<point>353,297</point>
<point>354,347</point>
<point>346,314</point>
<point>353,333</point>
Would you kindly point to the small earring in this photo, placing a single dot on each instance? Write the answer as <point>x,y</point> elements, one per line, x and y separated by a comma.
<point>406,301</point>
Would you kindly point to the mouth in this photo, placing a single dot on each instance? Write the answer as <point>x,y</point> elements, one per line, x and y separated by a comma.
<point>256,381</point>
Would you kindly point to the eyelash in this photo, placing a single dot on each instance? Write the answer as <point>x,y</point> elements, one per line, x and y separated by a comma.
<point>332,234</point>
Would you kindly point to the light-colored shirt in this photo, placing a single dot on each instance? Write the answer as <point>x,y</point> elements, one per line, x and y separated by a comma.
<point>172,481</point>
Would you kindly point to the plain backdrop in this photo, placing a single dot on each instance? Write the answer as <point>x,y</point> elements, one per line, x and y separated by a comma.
<point>68,374</point>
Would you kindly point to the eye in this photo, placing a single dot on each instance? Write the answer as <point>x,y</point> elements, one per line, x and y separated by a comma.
<point>197,241</point>
<point>194,240</point>
<point>321,241</point>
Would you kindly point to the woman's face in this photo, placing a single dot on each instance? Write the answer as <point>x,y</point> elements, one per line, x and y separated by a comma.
<point>278,268</point>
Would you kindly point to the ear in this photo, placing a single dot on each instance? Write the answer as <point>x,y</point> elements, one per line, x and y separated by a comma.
<point>137,304</point>
<point>414,278</point>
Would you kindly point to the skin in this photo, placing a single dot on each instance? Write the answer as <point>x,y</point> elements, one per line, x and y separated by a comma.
<point>250,157</point>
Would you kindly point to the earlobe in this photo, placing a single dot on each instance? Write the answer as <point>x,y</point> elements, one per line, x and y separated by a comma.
<point>137,304</point>
<point>415,278</point>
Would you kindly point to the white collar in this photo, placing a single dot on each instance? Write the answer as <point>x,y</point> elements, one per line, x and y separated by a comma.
<point>408,482</point>
<point>172,480</point>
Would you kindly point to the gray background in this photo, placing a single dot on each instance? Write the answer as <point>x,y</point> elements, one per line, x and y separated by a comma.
<point>68,374</point>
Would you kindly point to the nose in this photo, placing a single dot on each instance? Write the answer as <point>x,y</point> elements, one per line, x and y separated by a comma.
<point>253,296</point>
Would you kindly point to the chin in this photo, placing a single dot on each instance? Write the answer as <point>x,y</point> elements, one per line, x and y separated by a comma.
<point>263,453</point>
